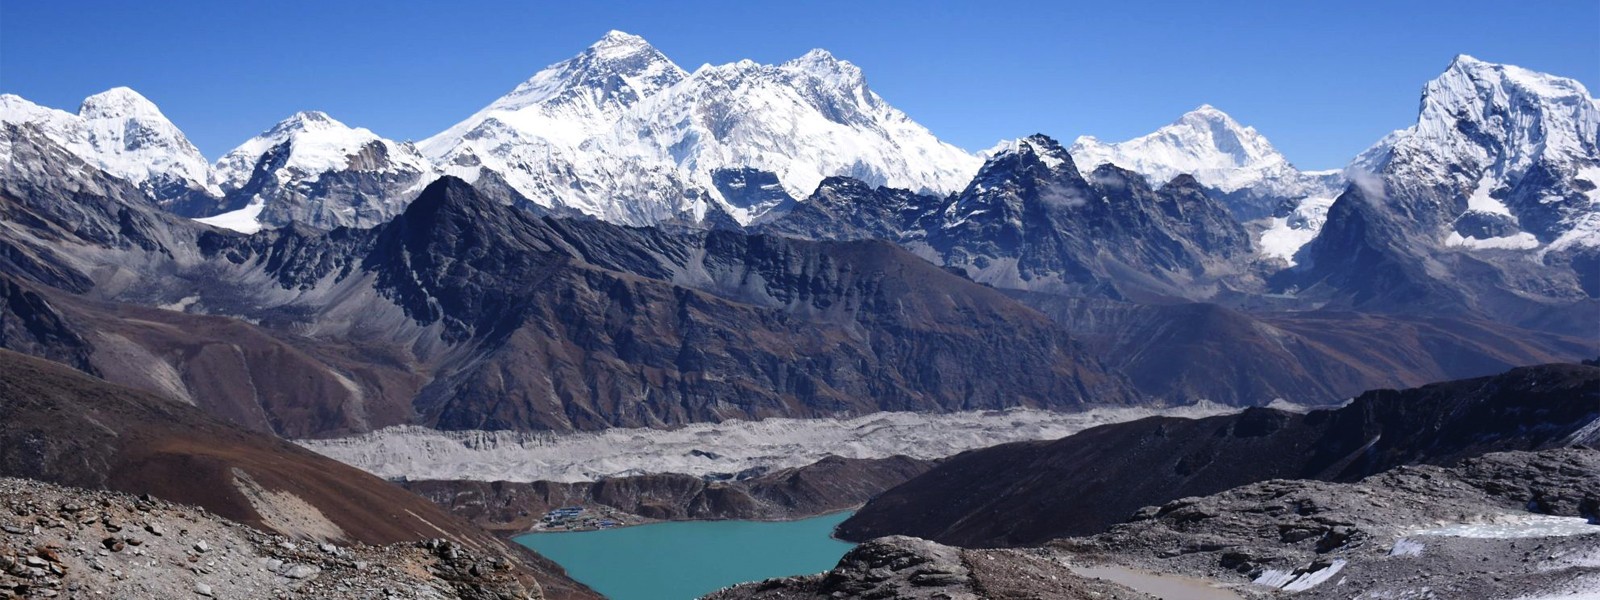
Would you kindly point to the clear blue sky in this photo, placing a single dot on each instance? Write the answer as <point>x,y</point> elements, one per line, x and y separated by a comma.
<point>1322,82</point>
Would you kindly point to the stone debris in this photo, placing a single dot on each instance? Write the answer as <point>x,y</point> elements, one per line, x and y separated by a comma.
<point>69,543</point>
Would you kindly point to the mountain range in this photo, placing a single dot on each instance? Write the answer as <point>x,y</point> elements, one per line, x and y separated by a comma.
<point>619,242</point>
<point>780,200</point>
<point>1499,168</point>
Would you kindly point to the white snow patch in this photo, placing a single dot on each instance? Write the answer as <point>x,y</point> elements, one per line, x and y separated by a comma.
<point>723,448</point>
<point>1521,240</point>
<point>1585,232</point>
<point>1407,547</point>
<point>181,305</point>
<point>1481,201</point>
<point>1516,526</point>
<point>1284,236</point>
<point>243,220</point>
<point>1289,581</point>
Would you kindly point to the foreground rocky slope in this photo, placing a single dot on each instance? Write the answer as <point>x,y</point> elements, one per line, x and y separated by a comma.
<point>1501,526</point>
<point>62,426</point>
<point>1027,493</point>
<point>1504,525</point>
<point>76,543</point>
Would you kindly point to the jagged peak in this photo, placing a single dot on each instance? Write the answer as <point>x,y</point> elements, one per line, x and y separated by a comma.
<point>1489,75</point>
<point>445,194</point>
<point>1466,61</point>
<point>616,55</point>
<point>823,65</point>
<point>307,120</point>
<point>1203,140</point>
<point>1557,119</point>
<point>1038,146</point>
<point>618,44</point>
<point>118,102</point>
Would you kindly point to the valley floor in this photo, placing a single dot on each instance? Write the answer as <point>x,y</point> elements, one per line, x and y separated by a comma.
<point>725,449</point>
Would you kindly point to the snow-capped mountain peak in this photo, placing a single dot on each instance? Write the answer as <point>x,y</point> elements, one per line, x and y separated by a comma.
<point>1240,167</point>
<point>826,68</point>
<point>1036,147</point>
<point>1518,115</point>
<point>1205,142</point>
<point>1519,150</point>
<point>314,143</point>
<point>616,71</point>
<point>622,133</point>
<point>119,102</point>
<point>125,134</point>
<point>312,169</point>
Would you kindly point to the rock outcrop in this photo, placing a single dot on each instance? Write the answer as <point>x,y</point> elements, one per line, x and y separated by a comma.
<point>908,568</point>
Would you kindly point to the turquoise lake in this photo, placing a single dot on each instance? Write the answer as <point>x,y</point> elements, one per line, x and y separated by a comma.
<point>683,560</point>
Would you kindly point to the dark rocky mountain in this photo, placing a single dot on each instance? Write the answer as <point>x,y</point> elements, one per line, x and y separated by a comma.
<point>467,313</point>
<point>829,485</point>
<point>62,426</point>
<point>842,208</point>
<point>888,330</point>
<point>1193,351</point>
<point>1027,493</point>
<point>1030,220</point>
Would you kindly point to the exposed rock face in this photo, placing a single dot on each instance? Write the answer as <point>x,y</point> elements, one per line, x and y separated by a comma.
<point>587,325</point>
<point>1203,351</point>
<point>830,485</point>
<point>62,426</point>
<point>1080,484</point>
<point>913,569</point>
<point>70,541</point>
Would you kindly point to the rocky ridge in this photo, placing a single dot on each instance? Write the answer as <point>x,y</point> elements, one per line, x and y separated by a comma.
<point>907,568</point>
<point>1078,485</point>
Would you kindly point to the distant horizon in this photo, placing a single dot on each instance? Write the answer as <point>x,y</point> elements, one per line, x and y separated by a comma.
<point>222,85</point>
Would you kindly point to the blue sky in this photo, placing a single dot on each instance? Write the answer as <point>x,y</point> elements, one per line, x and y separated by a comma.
<point>1322,81</point>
